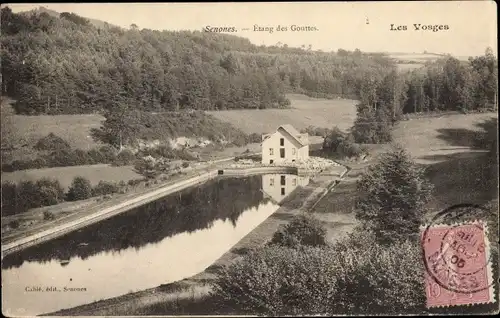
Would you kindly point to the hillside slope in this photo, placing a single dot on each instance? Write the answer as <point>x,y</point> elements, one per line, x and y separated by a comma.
<point>55,65</point>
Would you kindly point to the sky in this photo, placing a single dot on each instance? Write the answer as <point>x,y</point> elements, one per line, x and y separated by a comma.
<point>472,25</point>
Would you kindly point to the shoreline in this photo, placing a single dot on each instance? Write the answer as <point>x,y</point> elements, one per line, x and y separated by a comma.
<point>301,200</point>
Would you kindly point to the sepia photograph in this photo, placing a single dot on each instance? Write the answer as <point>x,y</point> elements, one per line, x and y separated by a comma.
<point>249,159</point>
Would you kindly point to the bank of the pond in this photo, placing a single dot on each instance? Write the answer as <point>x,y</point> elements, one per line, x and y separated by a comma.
<point>129,203</point>
<point>300,201</point>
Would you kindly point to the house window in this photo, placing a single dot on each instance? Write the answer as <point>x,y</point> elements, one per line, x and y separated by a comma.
<point>294,181</point>
<point>283,181</point>
<point>282,141</point>
<point>282,152</point>
<point>282,191</point>
<point>271,151</point>
<point>294,151</point>
<point>271,182</point>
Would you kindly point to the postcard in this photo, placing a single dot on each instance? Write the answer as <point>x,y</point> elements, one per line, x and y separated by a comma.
<point>250,159</point>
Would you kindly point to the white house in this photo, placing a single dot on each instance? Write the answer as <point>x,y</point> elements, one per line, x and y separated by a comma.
<point>279,186</point>
<point>285,145</point>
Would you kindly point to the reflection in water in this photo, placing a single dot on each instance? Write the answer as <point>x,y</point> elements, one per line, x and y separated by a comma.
<point>161,242</point>
<point>278,186</point>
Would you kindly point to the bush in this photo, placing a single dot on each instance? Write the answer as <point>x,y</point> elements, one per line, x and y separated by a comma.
<point>147,168</point>
<point>254,138</point>
<point>348,149</point>
<point>80,189</point>
<point>104,154</point>
<point>278,281</point>
<point>10,198</point>
<point>302,230</point>
<point>134,182</point>
<point>165,151</point>
<point>107,153</point>
<point>185,165</point>
<point>346,278</point>
<point>52,142</point>
<point>379,279</point>
<point>14,224</point>
<point>342,144</point>
<point>239,140</point>
<point>24,164</point>
<point>28,195</point>
<point>334,138</point>
<point>7,167</point>
<point>316,131</point>
<point>47,215</point>
<point>124,158</point>
<point>104,187</point>
<point>391,197</point>
<point>65,158</point>
<point>49,191</point>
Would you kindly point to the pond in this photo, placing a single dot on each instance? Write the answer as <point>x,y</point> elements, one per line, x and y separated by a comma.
<point>161,242</point>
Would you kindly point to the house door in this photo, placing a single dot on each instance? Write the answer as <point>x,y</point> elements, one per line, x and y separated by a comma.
<point>282,153</point>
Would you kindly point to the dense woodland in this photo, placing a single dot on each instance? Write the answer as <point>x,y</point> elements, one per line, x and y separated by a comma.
<point>64,64</point>
<point>443,85</point>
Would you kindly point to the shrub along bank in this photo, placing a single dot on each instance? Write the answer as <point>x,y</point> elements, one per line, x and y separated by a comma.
<point>355,276</point>
<point>54,151</point>
<point>342,145</point>
<point>19,198</point>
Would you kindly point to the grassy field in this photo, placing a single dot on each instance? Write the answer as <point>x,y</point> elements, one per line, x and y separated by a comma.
<point>65,175</point>
<point>21,130</point>
<point>20,133</point>
<point>456,167</point>
<point>445,135</point>
<point>454,164</point>
<point>305,111</point>
<point>411,61</point>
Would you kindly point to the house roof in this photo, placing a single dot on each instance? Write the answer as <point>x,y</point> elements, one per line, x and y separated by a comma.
<point>302,139</point>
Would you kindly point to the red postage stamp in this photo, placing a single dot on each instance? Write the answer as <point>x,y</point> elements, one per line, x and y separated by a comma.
<point>457,262</point>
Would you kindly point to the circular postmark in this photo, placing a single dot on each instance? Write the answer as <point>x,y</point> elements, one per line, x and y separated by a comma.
<point>454,247</point>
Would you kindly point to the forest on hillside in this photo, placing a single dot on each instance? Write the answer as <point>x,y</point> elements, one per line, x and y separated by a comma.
<point>67,65</point>
<point>64,64</point>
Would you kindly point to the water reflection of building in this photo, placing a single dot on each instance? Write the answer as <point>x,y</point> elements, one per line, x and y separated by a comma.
<point>279,186</point>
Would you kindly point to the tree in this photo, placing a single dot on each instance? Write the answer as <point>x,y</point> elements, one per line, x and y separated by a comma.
<point>80,189</point>
<point>50,192</point>
<point>391,197</point>
<point>120,125</point>
<point>333,139</point>
<point>74,18</point>
<point>365,126</point>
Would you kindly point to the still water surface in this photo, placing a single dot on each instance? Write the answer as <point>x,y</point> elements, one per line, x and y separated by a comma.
<point>164,241</point>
